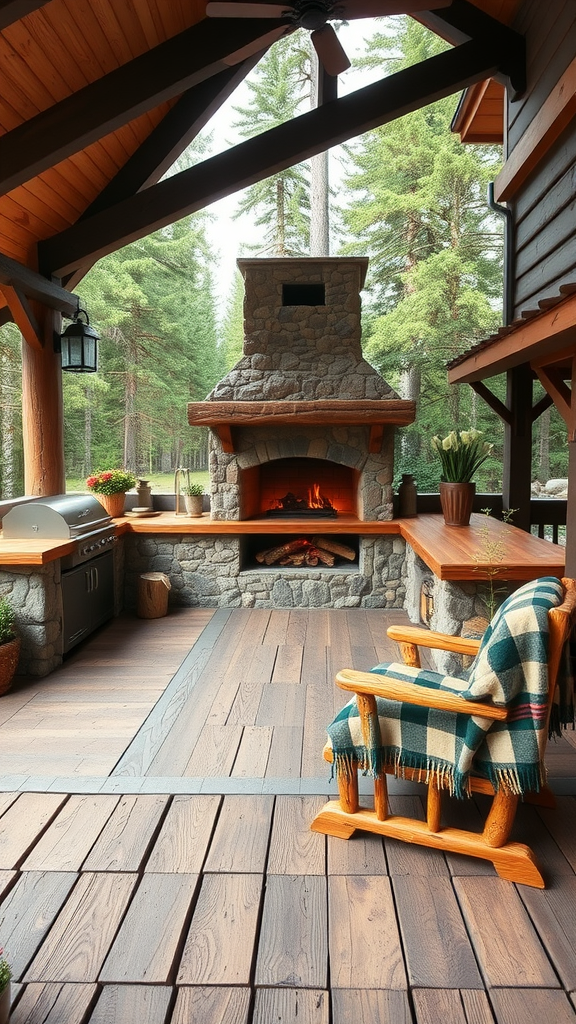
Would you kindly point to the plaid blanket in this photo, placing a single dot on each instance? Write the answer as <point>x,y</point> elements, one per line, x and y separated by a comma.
<point>510,669</point>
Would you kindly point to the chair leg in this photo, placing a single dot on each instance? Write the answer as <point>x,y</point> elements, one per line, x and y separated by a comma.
<point>500,819</point>
<point>433,807</point>
<point>348,791</point>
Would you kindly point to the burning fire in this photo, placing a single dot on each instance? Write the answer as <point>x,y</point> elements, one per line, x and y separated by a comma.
<point>317,500</point>
<point>290,502</point>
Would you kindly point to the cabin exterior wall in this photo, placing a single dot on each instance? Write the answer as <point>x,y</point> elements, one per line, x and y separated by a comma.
<point>544,206</point>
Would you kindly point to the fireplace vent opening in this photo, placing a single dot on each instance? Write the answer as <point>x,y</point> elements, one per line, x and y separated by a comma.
<point>303,294</point>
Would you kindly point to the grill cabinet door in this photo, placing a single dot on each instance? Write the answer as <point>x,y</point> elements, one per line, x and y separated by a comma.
<point>87,598</point>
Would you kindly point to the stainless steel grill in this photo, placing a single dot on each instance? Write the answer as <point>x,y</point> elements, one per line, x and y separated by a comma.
<point>78,517</point>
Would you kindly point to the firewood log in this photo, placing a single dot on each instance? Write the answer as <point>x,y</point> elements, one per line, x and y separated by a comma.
<point>321,556</point>
<point>327,544</point>
<point>311,559</point>
<point>275,554</point>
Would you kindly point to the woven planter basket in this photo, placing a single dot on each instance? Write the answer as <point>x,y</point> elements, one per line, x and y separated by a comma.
<point>9,654</point>
<point>113,503</point>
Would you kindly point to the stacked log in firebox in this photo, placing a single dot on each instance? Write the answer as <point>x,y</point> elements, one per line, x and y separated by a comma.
<point>305,551</point>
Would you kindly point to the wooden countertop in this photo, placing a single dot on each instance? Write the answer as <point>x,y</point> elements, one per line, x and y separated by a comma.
<point>451,552</point>
<point>459,552</point>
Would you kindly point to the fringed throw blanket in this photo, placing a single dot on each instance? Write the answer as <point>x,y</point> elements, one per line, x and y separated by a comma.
<point>510,670</point>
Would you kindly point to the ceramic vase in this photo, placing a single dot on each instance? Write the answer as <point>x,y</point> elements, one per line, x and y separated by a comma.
<point>113,503</point>
<point>407,497</point>
<point>456,500</point>
<point>193,504</point>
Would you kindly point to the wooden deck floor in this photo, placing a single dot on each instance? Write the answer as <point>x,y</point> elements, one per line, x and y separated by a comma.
<point>156,863</point>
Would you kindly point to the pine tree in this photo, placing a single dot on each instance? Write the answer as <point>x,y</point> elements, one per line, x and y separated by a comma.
<point>418,209</point>
<point>280,204</point>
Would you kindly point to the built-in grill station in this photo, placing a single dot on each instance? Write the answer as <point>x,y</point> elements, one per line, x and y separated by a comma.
<point>87,573</point>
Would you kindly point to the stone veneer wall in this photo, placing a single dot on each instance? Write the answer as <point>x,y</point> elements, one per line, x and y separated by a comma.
<point>36,597</point>
<point>205,571</point>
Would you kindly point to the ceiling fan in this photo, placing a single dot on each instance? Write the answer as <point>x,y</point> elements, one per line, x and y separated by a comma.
<point>315,16</point>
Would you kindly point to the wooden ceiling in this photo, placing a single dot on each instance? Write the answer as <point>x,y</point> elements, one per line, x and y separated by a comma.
<point>98,97</point>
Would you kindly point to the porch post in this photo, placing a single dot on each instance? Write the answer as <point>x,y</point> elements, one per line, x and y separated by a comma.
<point>42,411</point>
<point>517,469</point>
<point>570,569</point>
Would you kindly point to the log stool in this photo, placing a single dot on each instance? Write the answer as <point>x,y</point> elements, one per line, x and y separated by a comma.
<point>152,601</point>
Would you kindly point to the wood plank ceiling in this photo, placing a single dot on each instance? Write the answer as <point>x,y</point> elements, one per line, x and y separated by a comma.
<point>98,97</point>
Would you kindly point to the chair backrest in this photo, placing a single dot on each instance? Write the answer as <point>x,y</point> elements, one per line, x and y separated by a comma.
<point>561,623</point>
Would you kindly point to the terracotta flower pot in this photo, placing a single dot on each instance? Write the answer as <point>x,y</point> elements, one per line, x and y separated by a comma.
<point>113,503</point>
<point>9,654</point>
<point>5,1004</point>
<point>456,500</point>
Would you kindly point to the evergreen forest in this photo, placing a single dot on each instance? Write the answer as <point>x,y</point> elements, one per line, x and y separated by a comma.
<point>408,195</point>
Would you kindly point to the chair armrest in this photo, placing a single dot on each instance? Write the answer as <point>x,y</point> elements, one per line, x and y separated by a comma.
<point>428,638</point>
<point>423,696</point>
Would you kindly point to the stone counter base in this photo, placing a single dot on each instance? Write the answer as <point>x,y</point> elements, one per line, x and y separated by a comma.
<point>205,571</point>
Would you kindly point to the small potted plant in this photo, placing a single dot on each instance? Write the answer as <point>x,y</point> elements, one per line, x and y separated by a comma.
<point>9,645</point>
<point>461,453</point>
<point>110,486</point>
<point>193,494</point>
<point>5,976</point>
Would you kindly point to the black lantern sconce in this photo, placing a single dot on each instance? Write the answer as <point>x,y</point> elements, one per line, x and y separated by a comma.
<point>78,345</point>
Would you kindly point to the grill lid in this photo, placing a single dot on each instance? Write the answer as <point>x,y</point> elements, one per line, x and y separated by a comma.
<point>61,516</point>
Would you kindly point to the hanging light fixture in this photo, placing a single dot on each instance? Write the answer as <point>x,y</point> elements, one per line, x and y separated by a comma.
<point>78,345</point>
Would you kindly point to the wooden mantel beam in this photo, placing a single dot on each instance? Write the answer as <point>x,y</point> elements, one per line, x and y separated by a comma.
<point>222,417</point>
<point>268,153</point>
<point>112,101</point>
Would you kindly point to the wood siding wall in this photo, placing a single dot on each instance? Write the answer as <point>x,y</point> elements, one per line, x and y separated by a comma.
<point>544,207</point>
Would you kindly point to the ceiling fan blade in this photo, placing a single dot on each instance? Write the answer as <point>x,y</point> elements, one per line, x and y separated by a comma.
<point>241,10</point>
<point>329,50</point>
<point>381,8</point>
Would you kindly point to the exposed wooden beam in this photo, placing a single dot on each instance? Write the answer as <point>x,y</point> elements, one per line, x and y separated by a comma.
<point>552,381</point>
<point>539,338</point>
<point>268,153</point>
<point>23,316</point>
<point>464,20</point>
<point>492,400</point>
<point>14,10</point>
<point>35,286</point>
<point>541,406</point>
<point>115,99</point>
<point>555,114</point>
<point>166,142</point>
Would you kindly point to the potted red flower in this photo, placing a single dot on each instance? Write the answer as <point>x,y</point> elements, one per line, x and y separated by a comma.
<point>110,486</point>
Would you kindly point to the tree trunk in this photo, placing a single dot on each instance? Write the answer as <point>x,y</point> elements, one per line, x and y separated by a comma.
<point>280,219</point>
<point>319,186</point>
<point>130,424</point>
<point>88,430</point>
<point>544,447</point>
<point>7,410</point>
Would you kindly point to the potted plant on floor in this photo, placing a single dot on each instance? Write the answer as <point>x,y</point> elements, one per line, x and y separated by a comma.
<point>9,645</point>
<point>193,494</point>
<point>5,976</point>
<point>110,486</point>
<point>461,453</point>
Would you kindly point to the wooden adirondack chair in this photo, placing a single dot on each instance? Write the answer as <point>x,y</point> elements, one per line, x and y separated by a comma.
<point>513,861</point>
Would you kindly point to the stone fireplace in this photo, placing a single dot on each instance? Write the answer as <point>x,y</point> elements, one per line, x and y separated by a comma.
<point>303,413</point>
<point>302,402</point>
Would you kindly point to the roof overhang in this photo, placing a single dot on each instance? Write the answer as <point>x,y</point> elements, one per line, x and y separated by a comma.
<point>547,337</point>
